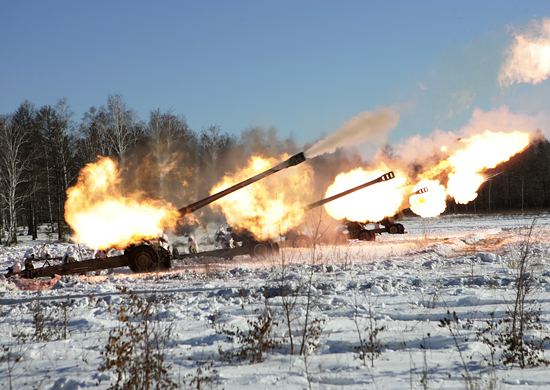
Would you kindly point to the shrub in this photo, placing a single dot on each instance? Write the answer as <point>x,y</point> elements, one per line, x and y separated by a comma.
<point>253,342</point>
<point>135,348</point>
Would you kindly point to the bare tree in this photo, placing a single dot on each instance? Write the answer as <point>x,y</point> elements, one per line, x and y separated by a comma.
<point>167,127</point>
<point>212,145</point>
<point>25,118</point>
<point>13,164</point>
<point>213,158</point>
<point>173,143</point>
<point>55,125</point>
<point>123,127</point>
<point>93,140</point>
<point>211,142</point>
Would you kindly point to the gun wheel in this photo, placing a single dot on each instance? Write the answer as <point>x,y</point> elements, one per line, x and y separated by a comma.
<point>401,228</point>
<point>394,229</point>
<point>259,251</point>
<point>366,235</point>
<point>302,241</point>
<point>143,258</point>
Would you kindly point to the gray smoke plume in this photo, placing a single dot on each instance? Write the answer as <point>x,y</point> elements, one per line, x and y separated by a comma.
<point>367,126</point>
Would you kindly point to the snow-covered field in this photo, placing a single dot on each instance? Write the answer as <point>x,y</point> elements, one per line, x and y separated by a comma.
<point>402,285</point>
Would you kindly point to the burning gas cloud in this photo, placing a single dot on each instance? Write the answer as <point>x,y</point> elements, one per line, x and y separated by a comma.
<point>456,171</point>
<point>102,217</point>
<point>431,203</point>
<point>482,151</point>
<point>369,204</point>
<point>268,207</point>
<point>367,126</point>
<point>528,59</point>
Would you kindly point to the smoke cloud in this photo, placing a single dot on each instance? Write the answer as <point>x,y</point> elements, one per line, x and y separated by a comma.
<point>528,59</point>
<point>367,126</point>
<point>423,149</point>
<point>504,121</point>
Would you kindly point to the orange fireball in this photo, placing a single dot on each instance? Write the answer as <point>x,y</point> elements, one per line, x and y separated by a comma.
<point>368,204</point>
<point>268,207</point>
<point>430,203</point>
<point>460,173</point>
<point>102,217</point>
<point>471,156</point>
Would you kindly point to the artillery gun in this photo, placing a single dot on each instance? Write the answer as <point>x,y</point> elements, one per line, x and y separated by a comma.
<point>244,243</point>
<point>297,239</point>
<point>358,230</point>
<point>355,230</point>
<point>154,254</point>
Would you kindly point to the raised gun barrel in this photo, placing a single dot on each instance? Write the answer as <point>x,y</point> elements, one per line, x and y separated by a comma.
<point>292,161</point>
<point>385,177</point>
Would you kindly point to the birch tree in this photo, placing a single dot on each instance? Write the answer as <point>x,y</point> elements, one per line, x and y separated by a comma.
<point>93,138</point>
<point>13,164</point>
<point>123,130</point>
<point>25,118</point>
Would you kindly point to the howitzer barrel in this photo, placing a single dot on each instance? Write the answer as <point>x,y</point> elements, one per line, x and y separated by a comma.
<point>292,161</point>
<point>420,191</point>
<point>385,177</point>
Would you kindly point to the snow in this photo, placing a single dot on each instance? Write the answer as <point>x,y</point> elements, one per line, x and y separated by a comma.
<point>404,283</point>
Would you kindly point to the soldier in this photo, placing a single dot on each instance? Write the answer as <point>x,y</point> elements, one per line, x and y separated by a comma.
<point>70,256</point>
<point>228,241</point>
<point>44,253</point>
<point>224,237</point>
<point>28,262</point>
<point>16,267</point>
<point>219,236</point>
<point>192,245</point>
<point>102,254</point>
<point>30,253</point>
<point>28,258</point>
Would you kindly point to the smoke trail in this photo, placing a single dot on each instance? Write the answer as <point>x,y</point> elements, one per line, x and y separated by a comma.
<point>366,126</point>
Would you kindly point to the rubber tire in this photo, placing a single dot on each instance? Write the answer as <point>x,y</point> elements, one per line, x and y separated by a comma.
<point>259,251</point>
<point>302,241</point>
<point>366,235</point>
<point>143,258</point>
<point>393,229</point>
<point>291,236</point>
<point>401,228</point>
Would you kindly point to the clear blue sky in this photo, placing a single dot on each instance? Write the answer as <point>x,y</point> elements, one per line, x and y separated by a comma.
<point>304,67</point>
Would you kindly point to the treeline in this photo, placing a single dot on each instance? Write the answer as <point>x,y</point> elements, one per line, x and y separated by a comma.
<point>42,150</point>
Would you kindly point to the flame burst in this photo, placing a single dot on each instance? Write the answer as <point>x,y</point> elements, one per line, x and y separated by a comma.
<point>102,217</point>
<point>270,206</point>
<point>473,155</point>
<point>461,171</point>
<point>371,203</point>
<point>431,203</point>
